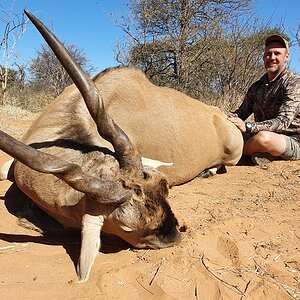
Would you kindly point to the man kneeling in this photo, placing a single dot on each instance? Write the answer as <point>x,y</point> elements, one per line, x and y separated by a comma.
<point>275,102</point>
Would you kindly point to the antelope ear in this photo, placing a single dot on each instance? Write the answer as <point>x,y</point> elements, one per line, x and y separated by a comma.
<point>112,193</point>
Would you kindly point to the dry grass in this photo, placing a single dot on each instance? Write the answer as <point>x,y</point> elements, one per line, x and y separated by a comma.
<point>9,118</point>
<point>28,98</point>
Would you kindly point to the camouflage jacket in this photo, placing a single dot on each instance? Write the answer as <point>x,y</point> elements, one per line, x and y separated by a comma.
<point>275,104</point>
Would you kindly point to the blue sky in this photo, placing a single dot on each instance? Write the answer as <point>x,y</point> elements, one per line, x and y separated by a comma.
<point>88,25</point>
<point>287,13</point>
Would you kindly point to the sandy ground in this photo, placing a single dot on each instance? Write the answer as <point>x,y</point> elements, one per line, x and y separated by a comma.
<point>241,241</point>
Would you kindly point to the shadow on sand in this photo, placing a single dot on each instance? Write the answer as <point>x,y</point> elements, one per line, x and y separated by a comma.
<point>52,232</point>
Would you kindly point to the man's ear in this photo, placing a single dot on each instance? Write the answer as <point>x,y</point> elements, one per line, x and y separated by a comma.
<point>287,57</point>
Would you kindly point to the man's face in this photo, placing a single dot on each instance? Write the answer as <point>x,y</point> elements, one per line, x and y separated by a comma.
<point>275,58</point>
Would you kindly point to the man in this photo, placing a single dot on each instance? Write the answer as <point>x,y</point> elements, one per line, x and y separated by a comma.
<point>275,101</point>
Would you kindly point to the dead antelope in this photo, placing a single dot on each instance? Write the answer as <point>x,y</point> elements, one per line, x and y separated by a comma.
<point>82,184</point>
<point>81,163</point>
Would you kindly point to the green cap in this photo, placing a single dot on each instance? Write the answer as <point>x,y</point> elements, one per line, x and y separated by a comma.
<point>279,39</point>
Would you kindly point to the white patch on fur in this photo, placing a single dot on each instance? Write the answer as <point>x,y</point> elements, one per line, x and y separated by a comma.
<point>154,163</point>
<point>4,169</point>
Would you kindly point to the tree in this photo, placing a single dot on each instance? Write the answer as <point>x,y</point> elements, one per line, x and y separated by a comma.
<point>178,25</point>
<point>12,27</point>
<point>47,72</point>
<point>11,77</point>
<point>296,37</point>
<point>211,50</point>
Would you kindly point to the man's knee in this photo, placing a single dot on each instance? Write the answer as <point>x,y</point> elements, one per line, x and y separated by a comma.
<point>264,139</point>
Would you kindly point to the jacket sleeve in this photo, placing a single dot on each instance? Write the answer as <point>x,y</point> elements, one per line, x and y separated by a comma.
<point>289,109</point>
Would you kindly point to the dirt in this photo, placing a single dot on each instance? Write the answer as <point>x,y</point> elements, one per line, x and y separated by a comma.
<point>241,240</point>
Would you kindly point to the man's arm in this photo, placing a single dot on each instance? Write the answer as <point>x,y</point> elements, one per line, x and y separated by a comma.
<point>289,109</point>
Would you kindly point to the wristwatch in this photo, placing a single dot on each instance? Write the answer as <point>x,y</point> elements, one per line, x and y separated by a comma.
<point>249,126</point>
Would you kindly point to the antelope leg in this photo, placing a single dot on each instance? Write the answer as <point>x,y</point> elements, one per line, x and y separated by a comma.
<point>90,245</point>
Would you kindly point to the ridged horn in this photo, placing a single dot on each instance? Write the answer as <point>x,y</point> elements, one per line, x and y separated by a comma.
<point>72,174</point>
<point>127,155</point>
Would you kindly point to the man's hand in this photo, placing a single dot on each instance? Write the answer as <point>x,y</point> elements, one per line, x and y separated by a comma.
<point>239,123</point>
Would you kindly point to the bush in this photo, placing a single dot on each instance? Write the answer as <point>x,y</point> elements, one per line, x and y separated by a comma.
<point>28,98</point>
